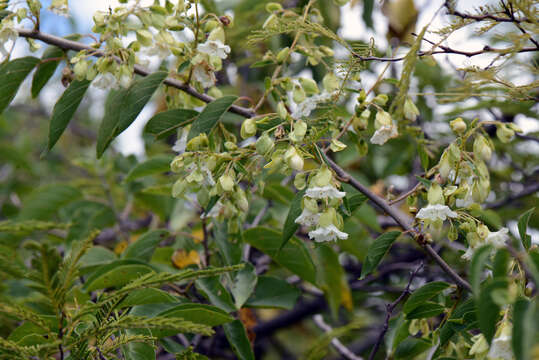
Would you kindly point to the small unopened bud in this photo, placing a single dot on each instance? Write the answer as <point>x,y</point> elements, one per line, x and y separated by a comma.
<point>300,129</point>
<point>482,231</point>
<point>380,99</point>
<point>210,25</point>
<point>331,82</point>
<point>504,133</point>
<point>197,143</point>
<point>453,234</point>
<point>309,85</point>
<point>281,110</point>
<point>80,69</point>
<point>481,148</point>
<point>411,111</point>
<point>382,119</point>
<point>217,34</point>
<point>294,159</point>
<point>248,128</point>
<point>282,55</point>
<point>241,199</point>
<point>336,145</point>
<point>299,181</point>
<point>458,126</point>
<point>298,95</point>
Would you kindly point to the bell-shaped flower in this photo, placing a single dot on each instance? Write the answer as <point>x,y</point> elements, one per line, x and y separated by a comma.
<point>214,48</point>
<point>105,81</point>
<point>384,133</point>
<point>203,73</point>
<point>435,212</point>
<point>307,218</point>
<point>327,233</point>
<point>501,347</point>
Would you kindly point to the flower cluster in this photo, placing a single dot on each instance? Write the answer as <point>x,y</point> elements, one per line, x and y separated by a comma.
<point>319,208</point>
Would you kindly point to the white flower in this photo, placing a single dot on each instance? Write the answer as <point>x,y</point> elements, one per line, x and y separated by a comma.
<point>436,212</point>
<point>324,192</point>
<point>309,104</point>
<point>204,75</point>
<point>215,48</point>
<point>383,134</point>
<point>159,49</point>
<point>468,254</point>
<point>181,143</point>
<point>328,233</point>
<point>498,238</point>
<point>501,348</point>
<point>105,81</point>
<point>307,218</point>
<point>466,201</point>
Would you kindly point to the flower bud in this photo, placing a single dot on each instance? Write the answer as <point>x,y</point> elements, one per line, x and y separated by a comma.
<point>326,50</point>
<point>264,144</point>
<point>230,145</point>
<point>380,99</point>
<point>300,129</point>
<point>281,110</point>
<point>336,145</point>
<point>515,127</point>
<point>293,159</point>
<point>435,194</point>
<point>241,199</point>
<point>481,148</point>
<point>80,69</point>
<point>504,133</point>
<point>453,234</point>
<point>309,85</point>
<point>458,126</point>
<point>197,143</point>
<point>210,25</point>
<point>331,82</point>
<point>248,128</point>
<point>299,181</point>
<point>217,34</point>
<point>227,182</point>
<point>482,231</point>
<point>410,110</point>
<point>298,95</point>
<point>382,119</point>
<point>480,190</point>
<point>282,55</point>
<point>273,6</point>
<point>144,37</point>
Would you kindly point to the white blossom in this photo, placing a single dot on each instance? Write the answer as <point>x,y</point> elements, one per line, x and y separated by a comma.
<point>498,238</point>
<point>324,192</point>
<point>468,254</point>
<point>214,48</point>
<point>105,81</point>
<point>309,104</point>
<point>383,134</point>
<point>204,75</point>
<point>181,143</point>
<point>328,233</point>
<point>307,218</point>
<point>436,212</point>
<point>501,348</point>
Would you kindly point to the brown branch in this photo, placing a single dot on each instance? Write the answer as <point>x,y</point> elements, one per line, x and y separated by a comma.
<point>529,190</point>
<point>483,17</point>
<point>77,46</point>
<point>337,344</point>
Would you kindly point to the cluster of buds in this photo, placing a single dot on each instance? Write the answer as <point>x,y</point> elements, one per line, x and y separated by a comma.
<point>319,205</point>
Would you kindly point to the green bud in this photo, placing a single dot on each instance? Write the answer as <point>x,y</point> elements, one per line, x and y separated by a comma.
<point>458,126</point>
<point>215,92</point>
<point>217,34</point>
<point>264,144</point>
<point>481,148</point>
<point>309,85</point>
<point>382,119</point>
<point>273,6</point>
<point>157,9</point>
<point>482,231</point>
<point>336,145</point>
<point>331,82</point>
<point>241,199</point>
<point>362,96</point>
<point>230,145</point>
<point>197,143</point>
<point>362,122</point>
<point>299,181</point>
<point>380,99</point>
<point>326,50</point>
<point>281,110</point>
<point>300,129</point>
<point>282,55</point>
<point>293,159</point>
<point>410,110</point>
<point>145,37</point>
<point>453,234</point>
<point>504,133</point>
<point>80,69</point>
<point>210,25</point>
<point>473,239</point>
<point>298,95</point>
<point>435,194</point>
<point>248,128</point>
<point>227,182</point>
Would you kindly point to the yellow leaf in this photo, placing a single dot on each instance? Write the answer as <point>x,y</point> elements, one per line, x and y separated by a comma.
<point>346,295</point>
<point>198,235</point>
<point>182,258</point>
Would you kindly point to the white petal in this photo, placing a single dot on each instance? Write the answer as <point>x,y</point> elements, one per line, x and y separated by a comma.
<point>324,192</point>
<point>328,233</point>
<point>307,218</point>
<point>498,238</point>
<point>382,135</point>
<point>501,348</point>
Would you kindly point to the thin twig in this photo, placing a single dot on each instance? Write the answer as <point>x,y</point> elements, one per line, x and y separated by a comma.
<point>337,344</point>
<point>389,311</point>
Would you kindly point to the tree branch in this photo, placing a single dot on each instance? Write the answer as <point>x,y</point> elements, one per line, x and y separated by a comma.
<point>337,344</point>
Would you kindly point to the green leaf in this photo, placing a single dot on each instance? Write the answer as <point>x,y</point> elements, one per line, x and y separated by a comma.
<point>96,256</point>
<point>211,114</point>
<point>524,328</point>
<point>64,109</point>
<point>294,255</point>
<point>377,250</point>
<point>262,63</point>
<point>411,347</point>
<point>46,69</point>
<point>368,6</point>
<point>138,351</point>
<point>425,310</point>
<point>216,293</point>
<point>146,296</point>
<point>488,312</point>
<point>199,313</point>
<point>244,285</point>
<point>143,248</point>
<point>353,202</point>
<point>271,292</point>
<point>123,106</point>
<point>423,157</point>
<point>522,226</point>
<point>290,225</point>
<point>463,316</point>
<point>278,192</point>
<point>237,337</point>
<point>44,202</point>
<point>116,274</point>
<point>423,294</point>
<point>12,74</point>
<point>501,263</point>
<point>164,123</point>
<point>479,259</point>
<point>156,165</point>
<point>229,250</point>
<point>331,279</point>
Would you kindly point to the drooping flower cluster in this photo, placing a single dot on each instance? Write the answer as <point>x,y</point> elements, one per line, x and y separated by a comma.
<point>319,208</point>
